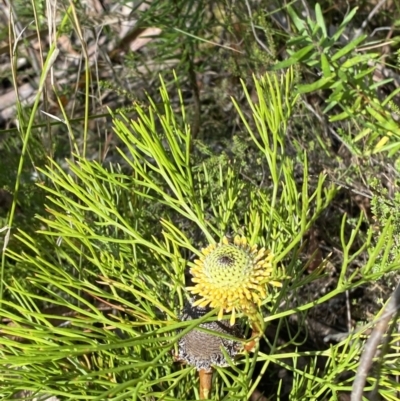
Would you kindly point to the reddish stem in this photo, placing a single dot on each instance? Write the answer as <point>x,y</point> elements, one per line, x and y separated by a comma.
<point>255,335</point>
<point>205,383</point>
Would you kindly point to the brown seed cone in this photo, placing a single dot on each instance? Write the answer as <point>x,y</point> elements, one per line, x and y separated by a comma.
<point>203,350</point>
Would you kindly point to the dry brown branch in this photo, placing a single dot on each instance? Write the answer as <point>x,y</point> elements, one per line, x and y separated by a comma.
<point>371,345</point>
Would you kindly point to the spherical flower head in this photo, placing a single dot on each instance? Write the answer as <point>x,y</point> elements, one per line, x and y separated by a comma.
<point>232,276</point>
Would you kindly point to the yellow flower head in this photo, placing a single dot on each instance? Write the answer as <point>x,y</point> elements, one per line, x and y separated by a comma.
<point>232,276</point>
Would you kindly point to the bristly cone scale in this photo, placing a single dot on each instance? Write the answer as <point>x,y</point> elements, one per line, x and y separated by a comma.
<point>202,349</point>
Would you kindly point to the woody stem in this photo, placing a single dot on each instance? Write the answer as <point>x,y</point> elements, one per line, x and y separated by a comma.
<point>205,383</point>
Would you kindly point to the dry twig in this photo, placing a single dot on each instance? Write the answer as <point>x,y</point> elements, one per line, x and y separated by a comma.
<point>371,345</point>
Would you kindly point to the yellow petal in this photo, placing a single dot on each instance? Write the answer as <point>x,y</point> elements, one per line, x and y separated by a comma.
<point>233,317</point>
<point>201,302</point>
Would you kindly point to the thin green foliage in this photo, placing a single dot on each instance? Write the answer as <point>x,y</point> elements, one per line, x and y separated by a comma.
<point>98,314</point>
<point>102,246</point>
<point>91,290</point>
<point>346,73</point>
